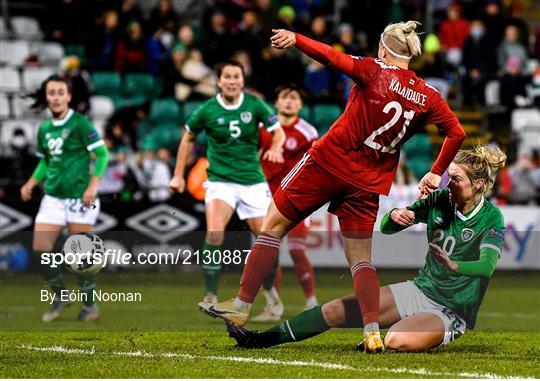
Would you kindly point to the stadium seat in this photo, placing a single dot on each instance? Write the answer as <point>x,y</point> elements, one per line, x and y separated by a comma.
<point>139,85</point>
<point>50,53</point>
<point>26,28</point>
<point>5,110</point>
<point>3,30</point>
<point>106,83</point>
<point>167,135</point>
<point>122,102</point>
<point>305,113</point>
<point>21,108</point>
<point>10,81</point>
<point>189,107</point>
<point>101,107</point>
<point>76,50</point>
<point>526,124</point>
<point>29,126</point>
<point>14,53</point>
<point>165,110</point>
<point>33,77</point>
<point>323,115</point>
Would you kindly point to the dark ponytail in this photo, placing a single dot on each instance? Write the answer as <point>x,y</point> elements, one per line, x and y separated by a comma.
<point>40,95</point>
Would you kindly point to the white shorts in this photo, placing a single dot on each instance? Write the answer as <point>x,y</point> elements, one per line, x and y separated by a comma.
<point>63,211</point>
<point>249,201</point>
<point>410,301</point>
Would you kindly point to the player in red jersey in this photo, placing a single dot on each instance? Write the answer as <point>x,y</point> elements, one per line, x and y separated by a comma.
<point>352,165</point>
<point>300,136</point>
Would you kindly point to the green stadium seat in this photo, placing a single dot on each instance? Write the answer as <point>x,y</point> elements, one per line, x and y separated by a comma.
<point>76,50</point>
<point>189,107</point>
<point>144,128</point>
<point>122,102</point>
<point>167,135</point>
<point>139,85</point>
<point>305,113</point>
<point>418,151</point>
<point>165,110</point>
<point>323,115</point>
<point>106,83</point>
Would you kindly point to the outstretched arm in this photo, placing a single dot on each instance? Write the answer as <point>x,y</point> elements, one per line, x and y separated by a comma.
<point>283,39</point>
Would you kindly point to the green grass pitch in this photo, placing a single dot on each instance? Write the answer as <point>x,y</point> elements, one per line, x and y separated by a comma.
<point>166,336</point>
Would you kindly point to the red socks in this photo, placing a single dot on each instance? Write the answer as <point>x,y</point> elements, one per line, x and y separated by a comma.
<point>260,261</point>
<point>304,272</point>
<point>366,288</point>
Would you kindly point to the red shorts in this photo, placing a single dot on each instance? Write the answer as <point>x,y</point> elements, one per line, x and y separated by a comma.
<point>309,186</point>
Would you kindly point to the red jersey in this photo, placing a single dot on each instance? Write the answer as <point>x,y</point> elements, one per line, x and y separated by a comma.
<point>299,137</point>
<point>386,106</point>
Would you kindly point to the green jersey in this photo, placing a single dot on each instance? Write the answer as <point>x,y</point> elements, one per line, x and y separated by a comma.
<point>233,137</point>
<point>462,237</point>
<point>65,145</point>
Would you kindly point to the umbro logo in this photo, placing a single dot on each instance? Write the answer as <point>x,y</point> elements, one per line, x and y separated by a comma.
<point>439,221</point>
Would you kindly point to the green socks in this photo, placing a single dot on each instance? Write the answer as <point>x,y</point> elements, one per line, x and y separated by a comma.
<point>211,270</point>
<point>87,285</point>
<point>52,275</point>
<point>306,324</point>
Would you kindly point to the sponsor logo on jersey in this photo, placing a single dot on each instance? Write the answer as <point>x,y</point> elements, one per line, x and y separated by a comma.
<point>467,234</point>
<point>496,233</point>
<point>220,120</point>
<point>93,135</point>
<point>246,116</point>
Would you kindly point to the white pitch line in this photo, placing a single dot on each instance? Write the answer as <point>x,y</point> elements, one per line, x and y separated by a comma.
<point>271,361</point>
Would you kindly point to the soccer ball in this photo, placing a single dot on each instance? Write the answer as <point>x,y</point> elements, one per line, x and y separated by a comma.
<point>84,253</point>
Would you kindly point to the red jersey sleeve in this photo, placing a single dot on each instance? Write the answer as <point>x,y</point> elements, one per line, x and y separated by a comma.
<point>447,122</point>
<point>357,68</point>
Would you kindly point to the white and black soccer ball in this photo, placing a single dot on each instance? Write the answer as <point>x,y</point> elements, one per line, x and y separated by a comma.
<point>84,253</point>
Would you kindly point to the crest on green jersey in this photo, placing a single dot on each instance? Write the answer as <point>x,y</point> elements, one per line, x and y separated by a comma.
<point>246,116</point>
<point>65,133</point>
<point>467,234</point>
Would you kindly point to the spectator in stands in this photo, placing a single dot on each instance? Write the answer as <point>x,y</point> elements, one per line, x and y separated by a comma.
<point>479,61</point>
<point>186,36</point>
<point>128,120</point>
<point>157,48</point>
<point>318,30</point>
<point>516,19</point>
<point>494,22</point>
<point>317,82</point>
<point>112,181</point>
<point>250,37</point>
<point>536,49</point>
<point>279,67</point>
<point>511,47</point>
<point>346,41</point>
<point>24,162</point>
<point>131,50</point>
<point>524,185</point>
<point>163,16</point>
<point>513,90</point>
<point>186,77</point>
<point>266,14</point>
<point>156,174</point>
<point>130,11</point>
<point>218,43</point>
<point>70,68</point>
<point>104,42</point>
<point>453,33</point>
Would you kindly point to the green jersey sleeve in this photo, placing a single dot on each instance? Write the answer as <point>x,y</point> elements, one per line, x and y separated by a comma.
<point>89,135</point>
<point>421,207</point>
<point>494,235</point>
<point>266,116</point>
<point>195,122</point>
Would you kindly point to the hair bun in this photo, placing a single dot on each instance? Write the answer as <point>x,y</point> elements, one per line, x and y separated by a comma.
<point>410,26</point>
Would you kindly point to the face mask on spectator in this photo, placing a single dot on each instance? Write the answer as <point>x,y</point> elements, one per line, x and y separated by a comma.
<point>477,32</point>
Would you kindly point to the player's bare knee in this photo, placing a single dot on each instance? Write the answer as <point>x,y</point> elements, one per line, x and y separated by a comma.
<point>334,313</point>
<point>215,238</point>
<point>402,342</point>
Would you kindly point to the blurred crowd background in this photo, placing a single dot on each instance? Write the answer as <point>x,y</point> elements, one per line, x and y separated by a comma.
<point>139,68</point>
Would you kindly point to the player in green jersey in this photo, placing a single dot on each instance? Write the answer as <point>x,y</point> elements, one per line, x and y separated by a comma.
<point>466,236</point>
<point>65,143</point>
<point>235,179</point>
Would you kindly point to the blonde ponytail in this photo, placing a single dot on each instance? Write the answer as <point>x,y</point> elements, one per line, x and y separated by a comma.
<point>482,162</point>
<point>401,39</point>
